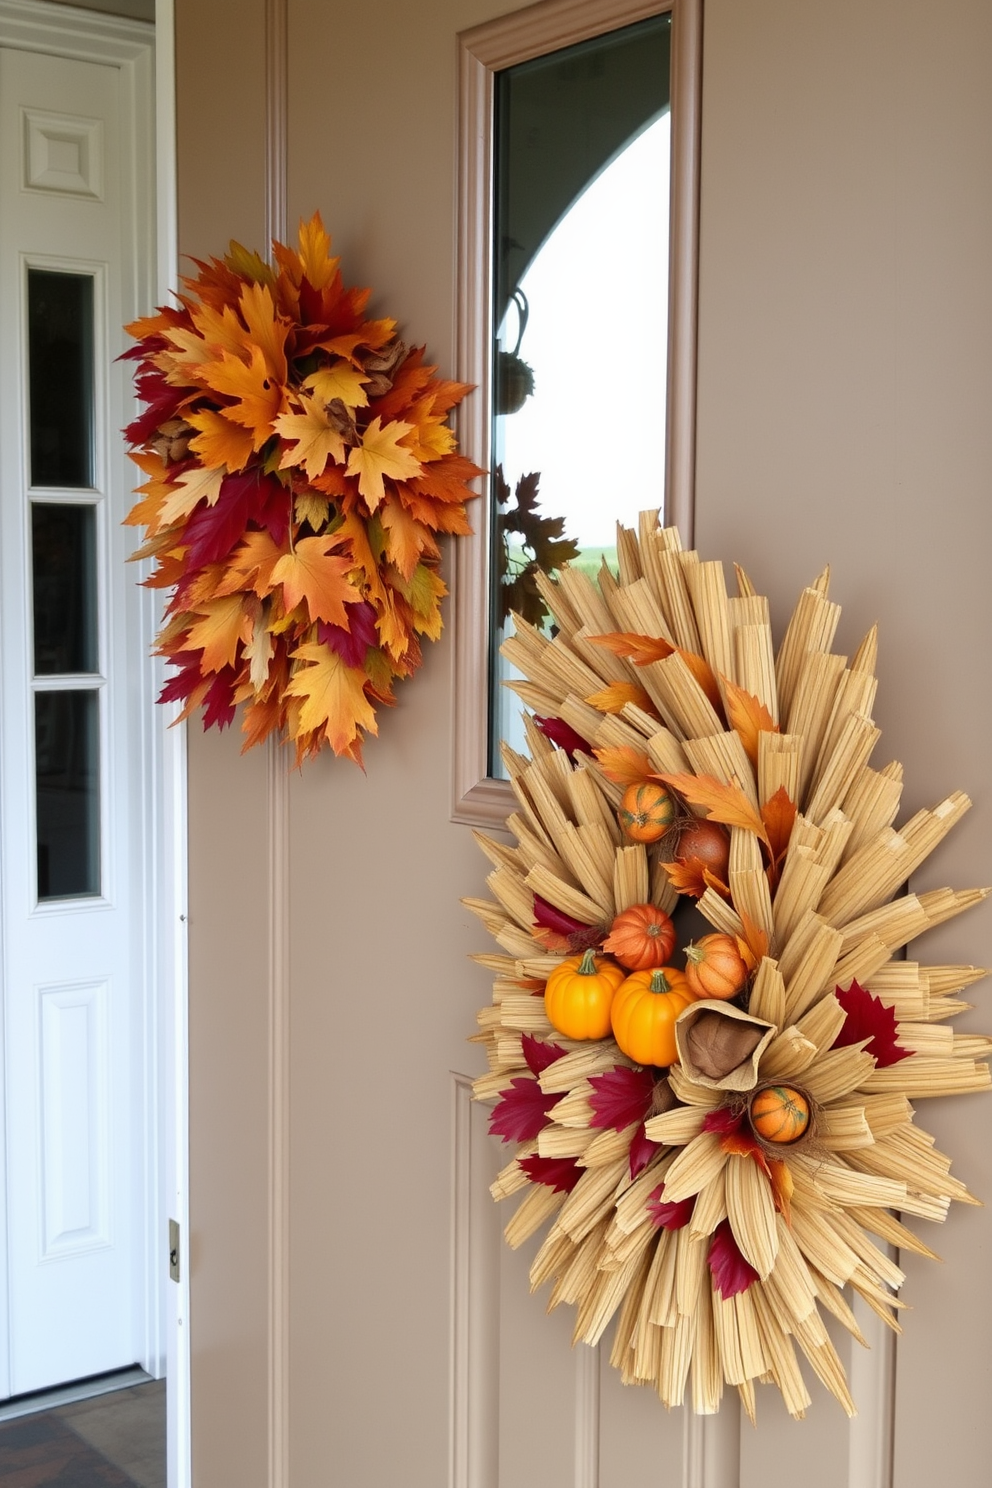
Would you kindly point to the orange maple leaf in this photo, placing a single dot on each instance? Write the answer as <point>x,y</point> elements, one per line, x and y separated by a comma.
<point>640,649</point>
<point>259,394</point>
<point>778,815</point>
<point>222,624</point>
<point>380,454</point>
<point>692,877</point>
<point>266,329</point>
<point>219,442</point>
<point>783,1186</point>
<point>722,803</point>
<point>250,565</point>
<point>749,717</point>
<point>406,539</point>
<point>624,765</point>
<point>312,573</point>
<point>753,944</point>
<point>615,697</point>
<point>333,698</point>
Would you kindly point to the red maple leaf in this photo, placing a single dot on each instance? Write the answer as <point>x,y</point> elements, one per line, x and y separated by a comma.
<point>621,1096</point>
<point>867,1017</point>
<point>522,1111</point>
<point>539,1054</point>
<point>669,1216</point>
<point>562,734</point>
<point>731,1272</point>
<point>724,1121</point>
<point>559,1173</point>
<point>642,1150</point>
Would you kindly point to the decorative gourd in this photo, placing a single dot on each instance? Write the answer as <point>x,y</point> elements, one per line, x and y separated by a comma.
<point>780,1114</point>
<point>641,937</point>
<point>644,1013</point>
<point>579,994</point>
<point>646,812</point>
<point>708,843</point>
<point>715,967</point>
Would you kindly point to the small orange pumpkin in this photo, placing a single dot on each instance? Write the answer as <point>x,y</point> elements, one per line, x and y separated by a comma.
<point>641,937</point>
<point>646,812</point>
<point>715,967</point>
<point>579,994</point>
<point>644,1013</point>
<point>780,1113</point>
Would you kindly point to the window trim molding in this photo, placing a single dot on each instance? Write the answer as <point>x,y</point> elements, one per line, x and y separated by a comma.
<point>477,798</point>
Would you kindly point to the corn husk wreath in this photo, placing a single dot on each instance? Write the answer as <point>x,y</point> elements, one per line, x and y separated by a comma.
<point>719,1254</point>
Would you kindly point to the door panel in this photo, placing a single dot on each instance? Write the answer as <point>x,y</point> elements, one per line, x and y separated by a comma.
<point>72,999</point>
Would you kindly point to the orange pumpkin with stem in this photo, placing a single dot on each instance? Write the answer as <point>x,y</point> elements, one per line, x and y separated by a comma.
<point>644,1013</point>
<point>715,967</point>
<point>579,994</point>
<point>780,1114</point>
<point>641,937</point>
<point>646,811</point>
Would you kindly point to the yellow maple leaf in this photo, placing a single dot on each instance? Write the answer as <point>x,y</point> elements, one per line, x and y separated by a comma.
<point>315,438</point>
<point>312,507</point>
<point>250,565</point>
<point>219,442</point>
<point>332,696</point>
<point>340,381</point>
<point>315,252</point>
<point>722,803</point>
<point>380,454</point>
<point>222,624</point>
<point>192,487</point>
<point>218,331</point>
<point>313,573</point>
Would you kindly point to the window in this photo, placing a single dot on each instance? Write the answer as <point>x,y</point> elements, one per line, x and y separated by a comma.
<point>570,115</point>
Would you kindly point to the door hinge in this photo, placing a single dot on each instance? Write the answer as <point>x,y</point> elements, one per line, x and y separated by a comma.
<point>174,1249</point>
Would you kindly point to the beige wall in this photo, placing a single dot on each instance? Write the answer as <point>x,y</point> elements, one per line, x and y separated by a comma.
<point>844,389</point>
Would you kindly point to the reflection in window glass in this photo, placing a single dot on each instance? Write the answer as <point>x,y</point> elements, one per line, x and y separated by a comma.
<point>67,765</point>
<point>63,574</point>
<point>60,378</point>
<point>581,316</point>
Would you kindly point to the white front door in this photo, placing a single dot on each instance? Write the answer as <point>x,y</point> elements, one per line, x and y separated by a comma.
<point>78,1039</point>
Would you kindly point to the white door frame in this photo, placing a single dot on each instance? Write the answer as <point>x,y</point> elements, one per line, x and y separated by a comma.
<point>145,57</point>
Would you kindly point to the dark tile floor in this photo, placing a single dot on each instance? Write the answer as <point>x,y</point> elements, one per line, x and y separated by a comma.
<point>115,1440</point>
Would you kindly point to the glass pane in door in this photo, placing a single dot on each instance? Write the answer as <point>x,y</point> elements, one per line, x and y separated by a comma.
<point>60,378</point>
<point>67,765</point>
<point>63,562</point>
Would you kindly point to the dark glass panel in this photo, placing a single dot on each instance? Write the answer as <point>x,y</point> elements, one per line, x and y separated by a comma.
<point>60,378</point>
<point>67,764</point>
<point>63,564</point>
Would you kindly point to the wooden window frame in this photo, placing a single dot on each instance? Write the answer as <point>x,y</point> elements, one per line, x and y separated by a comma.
<point>477,798</point>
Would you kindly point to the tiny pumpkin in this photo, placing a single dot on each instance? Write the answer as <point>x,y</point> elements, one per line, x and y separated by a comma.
<point>579,994</point>
<point>715,967</point>
<point>641,937</point>
<point>644,1012</point>
<point>647,811</point>
<point>780,1114</point>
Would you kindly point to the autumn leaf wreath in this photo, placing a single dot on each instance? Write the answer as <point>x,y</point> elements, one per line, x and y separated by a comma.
<point>299,468</point>
<point>720,1139</point>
